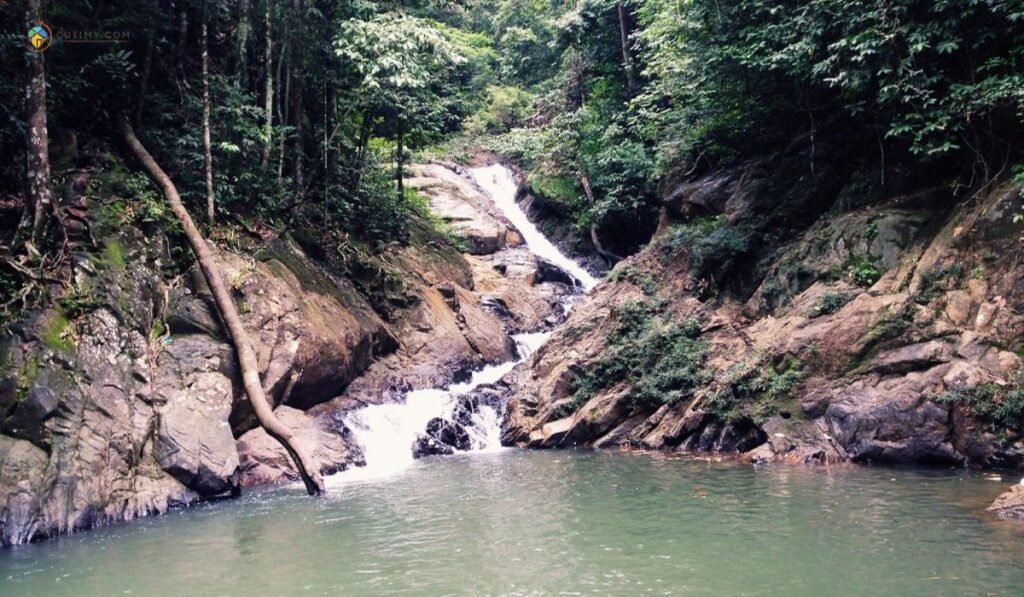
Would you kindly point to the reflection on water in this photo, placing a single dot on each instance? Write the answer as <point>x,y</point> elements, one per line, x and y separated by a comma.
<point>550,523</point>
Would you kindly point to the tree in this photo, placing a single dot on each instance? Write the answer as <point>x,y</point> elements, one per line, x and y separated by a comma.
<point>399,58</point>
<point>296,71</point>
<point>40,195</point>
<point>242,65</point>
<point>229,314</point>
<point>207,153</point>
<point>268,84</point>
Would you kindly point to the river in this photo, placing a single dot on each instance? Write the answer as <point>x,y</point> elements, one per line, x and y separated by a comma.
<point>497,521</point>
<point>559,523</point>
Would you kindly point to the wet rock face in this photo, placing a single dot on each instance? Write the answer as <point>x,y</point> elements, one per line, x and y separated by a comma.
<point>458,202</point>
<point>549,272</point>
<point>442,437</point>
<point>87,406</point>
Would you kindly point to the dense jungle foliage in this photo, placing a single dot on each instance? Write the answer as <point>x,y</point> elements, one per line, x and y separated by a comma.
<point>314,105</point>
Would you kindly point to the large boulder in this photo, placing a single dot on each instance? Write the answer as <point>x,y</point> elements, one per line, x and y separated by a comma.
<point>194,443</point>
<point>462,205</point>
<point>264,461</point>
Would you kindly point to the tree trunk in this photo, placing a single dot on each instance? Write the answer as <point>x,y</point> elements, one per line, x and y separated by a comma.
<point>282,109</point>
<point>229,314</point>
<point>207,153</point>
<point>296,91</point>
<point>182,33</point>
<point>399,151</point>
<point>40,195</point>
<point>268,88</point>
<point>147,66</point>
<point>242,67</point>
<point>627,59</point>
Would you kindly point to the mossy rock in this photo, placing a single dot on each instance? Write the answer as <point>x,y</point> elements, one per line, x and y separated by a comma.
<point>53,331</point>
<point>561,192</point>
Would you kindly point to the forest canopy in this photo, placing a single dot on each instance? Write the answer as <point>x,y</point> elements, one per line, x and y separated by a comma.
<point>304,111</point>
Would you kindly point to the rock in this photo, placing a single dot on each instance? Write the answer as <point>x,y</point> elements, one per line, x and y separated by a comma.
<point>426,445</point>
<point>194,443</point>
<point>29,417</point>
<point>22,466</point>
<point>303,320</point>
<point>189,314</point>
<point>870,364</point>
<point>893,421</point>
<point>449,433</point>
<point>442,437</point>
<point>264,461</point>
<point>913,357</point>
<point>1010,505</point>
<point>454,199</point>
<point>468,405</point>
<point>549,272</point>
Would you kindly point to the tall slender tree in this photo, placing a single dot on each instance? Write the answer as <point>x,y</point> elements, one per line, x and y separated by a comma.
<point>242,50</point>
<point>268,84</point>
<point>40,195</point>
<point>296,94</point>
<point>207,152</point>
<point>627,57</point>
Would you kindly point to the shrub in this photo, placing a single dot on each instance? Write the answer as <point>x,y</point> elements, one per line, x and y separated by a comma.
<point>753,380</point>
<point>713,245</point>
<point>505,108</point>
<point>863,271</point>
<point>628,273</point>
<point>829,303</point>
<point>935,281</point>
<point>662,361</point>
<point>1002,409</point>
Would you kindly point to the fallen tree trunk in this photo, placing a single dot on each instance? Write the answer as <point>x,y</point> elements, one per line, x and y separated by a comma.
<point>229,314</point>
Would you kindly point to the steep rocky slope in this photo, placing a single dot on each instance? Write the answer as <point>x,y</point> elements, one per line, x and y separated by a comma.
<point>123,399</point>
<point>780,313</point>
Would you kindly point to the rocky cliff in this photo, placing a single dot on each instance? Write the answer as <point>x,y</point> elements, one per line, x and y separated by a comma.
<point>123,399</point>
<point>787,311</point>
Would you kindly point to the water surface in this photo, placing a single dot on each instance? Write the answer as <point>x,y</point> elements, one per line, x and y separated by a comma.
<point>559,523</point>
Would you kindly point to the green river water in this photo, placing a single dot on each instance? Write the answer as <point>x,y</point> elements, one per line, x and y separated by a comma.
<point>559,523</point>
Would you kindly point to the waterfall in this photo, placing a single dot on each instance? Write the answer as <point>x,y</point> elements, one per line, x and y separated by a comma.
<point>498,182</point>
<point>387,432</point>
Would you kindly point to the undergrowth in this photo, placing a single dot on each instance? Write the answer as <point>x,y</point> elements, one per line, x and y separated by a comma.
<point>999,408</point>
<point>661,361</point>
<point>755,387</point>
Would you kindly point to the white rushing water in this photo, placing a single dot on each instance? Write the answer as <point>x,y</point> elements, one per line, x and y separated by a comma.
<point>387,432</point>
<point>498,182</point>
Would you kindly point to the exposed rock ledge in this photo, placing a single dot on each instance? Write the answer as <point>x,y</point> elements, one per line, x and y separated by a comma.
<point>134,405</point>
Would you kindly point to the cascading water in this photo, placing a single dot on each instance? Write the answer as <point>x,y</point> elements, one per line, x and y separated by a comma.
<point>498,182</point>
<point>387,432</point>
